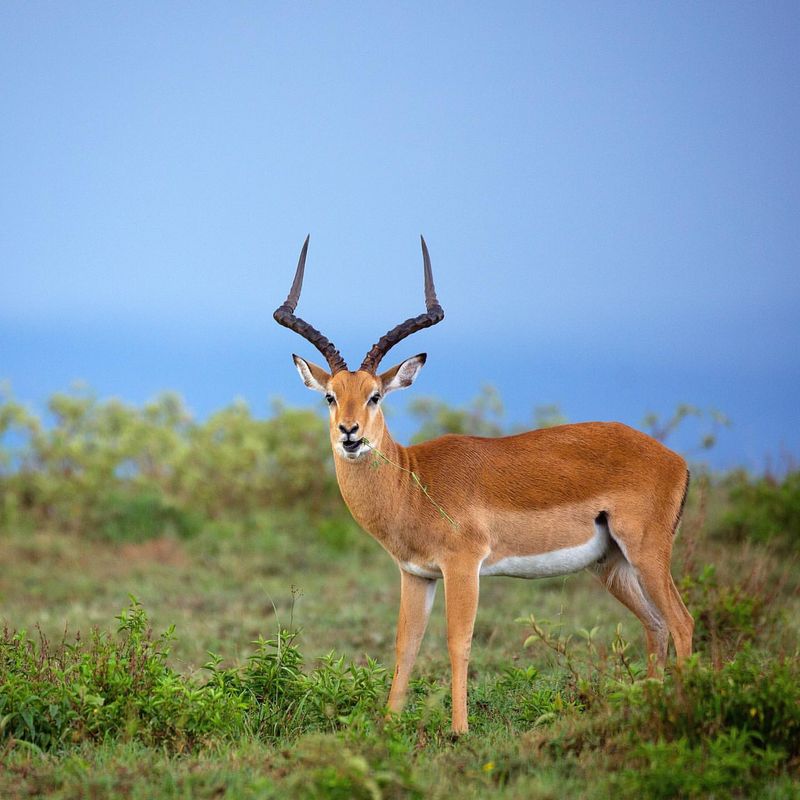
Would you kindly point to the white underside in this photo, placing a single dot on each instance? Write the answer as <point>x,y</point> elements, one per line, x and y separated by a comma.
<point>431,572</point>
<point>430,596</point>
<point>541,565</point>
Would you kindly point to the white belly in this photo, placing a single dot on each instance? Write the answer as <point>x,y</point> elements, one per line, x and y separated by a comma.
<point>430,571</point>
<point>541,565</point>
<point>556,562</point>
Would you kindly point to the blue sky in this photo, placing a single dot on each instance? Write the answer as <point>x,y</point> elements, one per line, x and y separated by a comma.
<point>610,193</point>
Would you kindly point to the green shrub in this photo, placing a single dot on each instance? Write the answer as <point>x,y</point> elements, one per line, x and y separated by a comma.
<point>286,701</point>
<point>122,687</point>
<point>532,699</point>
<point>725,616</point>
<point>758,698</point>
<point>126,517</point>
<point>119,472</point>
<point>699,732</point>
<point>764,510</point>
<point>709,731</point>
<point>338,692</point>
<point>482,417</point>
<point>107,686</point>
<point>730,760</point>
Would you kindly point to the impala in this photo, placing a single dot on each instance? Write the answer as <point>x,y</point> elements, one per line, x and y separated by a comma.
<point>596,495</point>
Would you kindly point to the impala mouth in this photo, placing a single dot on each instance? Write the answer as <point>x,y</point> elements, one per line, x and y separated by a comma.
<point>352,445</point>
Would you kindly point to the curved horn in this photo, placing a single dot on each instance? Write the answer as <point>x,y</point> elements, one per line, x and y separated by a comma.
<point>284,315</point>
<point>434,314</point>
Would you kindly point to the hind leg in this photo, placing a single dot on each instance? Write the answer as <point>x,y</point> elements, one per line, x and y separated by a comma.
<point>656,580</point>
<point>620,578</point>
<point>682,636</point>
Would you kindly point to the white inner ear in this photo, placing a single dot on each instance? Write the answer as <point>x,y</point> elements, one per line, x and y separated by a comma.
<point>405,375</point>
<point>308,379</point>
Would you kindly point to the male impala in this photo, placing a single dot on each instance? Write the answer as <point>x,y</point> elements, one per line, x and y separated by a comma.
<point>595,495</point>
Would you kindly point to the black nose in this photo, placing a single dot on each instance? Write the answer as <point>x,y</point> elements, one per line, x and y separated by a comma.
<point>348,432</point>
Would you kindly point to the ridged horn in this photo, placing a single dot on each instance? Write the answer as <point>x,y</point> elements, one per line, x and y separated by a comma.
<point>434,314</point>
<point>284,315</point>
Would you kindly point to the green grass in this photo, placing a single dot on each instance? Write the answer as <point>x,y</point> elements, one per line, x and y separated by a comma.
<point>542,724</point>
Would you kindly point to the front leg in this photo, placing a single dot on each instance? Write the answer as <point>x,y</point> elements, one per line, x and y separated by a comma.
<point>461,599</point>
<point>416,601</point>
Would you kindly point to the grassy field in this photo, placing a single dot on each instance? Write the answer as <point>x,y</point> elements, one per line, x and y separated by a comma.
<point>558,704</point>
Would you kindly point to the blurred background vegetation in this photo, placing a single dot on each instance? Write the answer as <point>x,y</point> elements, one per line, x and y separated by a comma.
<point>108,470</point>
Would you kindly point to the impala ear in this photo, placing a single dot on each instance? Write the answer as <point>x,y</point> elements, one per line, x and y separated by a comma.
<point>313,376</point>
<point>403,374</point>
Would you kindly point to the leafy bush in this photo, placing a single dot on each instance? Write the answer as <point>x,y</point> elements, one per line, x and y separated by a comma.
<point>108,687</point>
<point>758,698</point>
<point>482,417</point>
<point>144,515</point>
<point>122,687</point>
<point>726,616</point>
<point>678,769</point>
<point>114,471</point>
<point>700,731</point>
<point>286,701</point>
<point>764,510</point>
<point>122,473</point>
<point>533,699</point>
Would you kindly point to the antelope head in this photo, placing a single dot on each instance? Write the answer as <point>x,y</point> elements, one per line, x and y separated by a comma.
<point>354,397</point>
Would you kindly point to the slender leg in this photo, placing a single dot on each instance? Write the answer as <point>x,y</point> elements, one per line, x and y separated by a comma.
<point>682,635</point>
<point>652,568</point>
<point>461,599</point>
<point>416,600</point>
<point>657,582</point>
<point>619,577</point>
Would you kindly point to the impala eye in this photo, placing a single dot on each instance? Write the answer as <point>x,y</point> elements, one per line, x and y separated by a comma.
<point>375,399</point>
<point>330,399</point>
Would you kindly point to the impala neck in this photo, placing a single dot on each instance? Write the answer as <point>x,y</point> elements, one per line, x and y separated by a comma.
<point>376,488</point>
